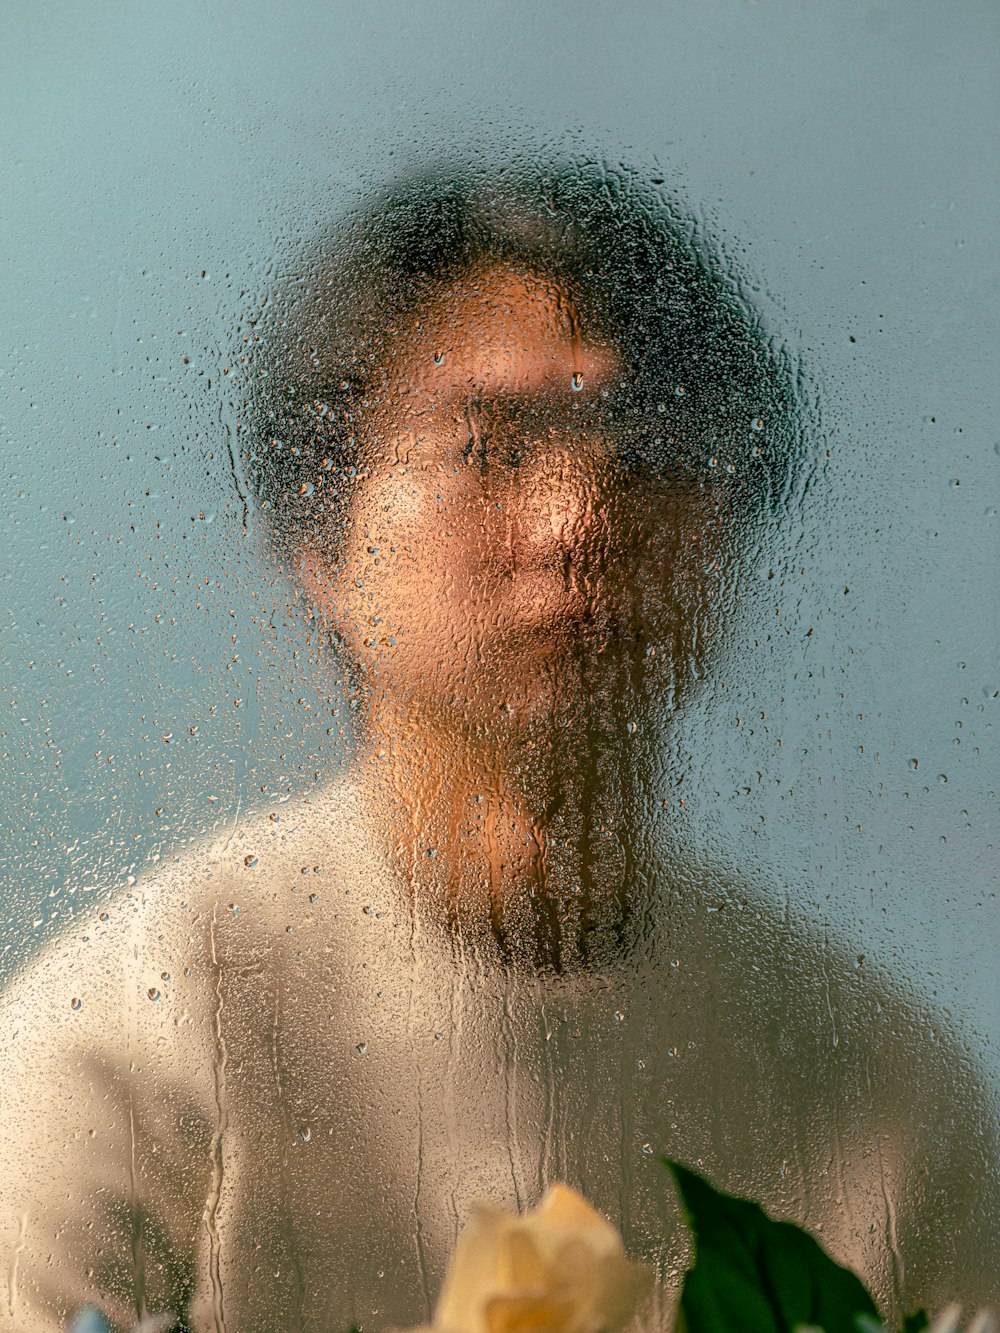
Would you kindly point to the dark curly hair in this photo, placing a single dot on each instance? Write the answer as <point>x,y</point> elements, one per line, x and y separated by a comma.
<point>705,397</point>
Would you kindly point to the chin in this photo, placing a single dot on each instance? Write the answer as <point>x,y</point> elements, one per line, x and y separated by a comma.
<point>527,670</point>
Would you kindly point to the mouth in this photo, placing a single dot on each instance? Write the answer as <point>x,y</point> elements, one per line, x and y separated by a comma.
<point>576,622</point>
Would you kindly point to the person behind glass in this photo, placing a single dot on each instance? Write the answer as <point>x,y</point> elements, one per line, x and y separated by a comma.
<point>519,436</point>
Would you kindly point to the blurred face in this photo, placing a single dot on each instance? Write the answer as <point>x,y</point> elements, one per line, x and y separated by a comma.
<point>498,557</point>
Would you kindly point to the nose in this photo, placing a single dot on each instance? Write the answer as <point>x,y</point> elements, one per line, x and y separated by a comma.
<point>568,504</point>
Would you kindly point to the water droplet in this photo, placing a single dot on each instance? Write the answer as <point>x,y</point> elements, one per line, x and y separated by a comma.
<point>153,993</point>
<point>914,763</point>
<point>76,1004</point>
<point>577,380</point>
<point>362,1048</point>
<point>630,727</point>
<point>305,1134</point>
<point>942,778</point>
<point>757,423</point>
<point>250,861</point>
<point>306,488</point>
<point>69,518</point>
<point>439,358</point>
<point>647,1149</point>
<point>619,1016</point>
<point>679,391</point>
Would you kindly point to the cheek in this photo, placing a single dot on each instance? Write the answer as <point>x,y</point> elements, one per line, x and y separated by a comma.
<point>556,516</point>
<point>439,564</point>
<point>414,561</point>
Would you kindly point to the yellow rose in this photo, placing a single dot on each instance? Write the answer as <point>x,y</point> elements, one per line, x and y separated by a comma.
<point>558,1269</point>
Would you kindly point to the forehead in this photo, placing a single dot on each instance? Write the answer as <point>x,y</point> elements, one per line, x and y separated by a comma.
<point>504,331</point>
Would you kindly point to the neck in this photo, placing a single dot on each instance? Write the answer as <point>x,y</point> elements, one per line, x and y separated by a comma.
<point>532,831</point>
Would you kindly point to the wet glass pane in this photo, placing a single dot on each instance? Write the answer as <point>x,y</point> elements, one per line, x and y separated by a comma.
<point>499,654</point>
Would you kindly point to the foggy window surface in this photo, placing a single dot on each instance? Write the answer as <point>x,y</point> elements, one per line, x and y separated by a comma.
<point>499,651</point>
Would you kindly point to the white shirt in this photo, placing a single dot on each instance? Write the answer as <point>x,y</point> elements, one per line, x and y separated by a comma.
<point>266,1089</point>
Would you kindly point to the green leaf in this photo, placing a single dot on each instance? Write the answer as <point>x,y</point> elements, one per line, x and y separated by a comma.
<point>756,1275</point>
<point>916,1323</point>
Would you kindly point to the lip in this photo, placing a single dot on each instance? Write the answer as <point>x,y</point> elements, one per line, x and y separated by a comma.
<point>555,616</point>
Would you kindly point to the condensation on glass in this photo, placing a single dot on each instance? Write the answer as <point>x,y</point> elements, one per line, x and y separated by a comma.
<point>449,748</point>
